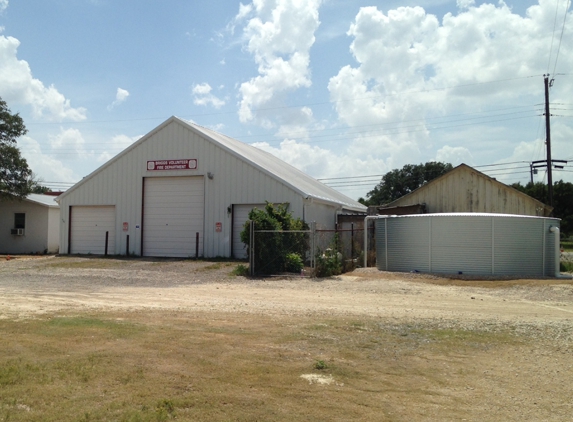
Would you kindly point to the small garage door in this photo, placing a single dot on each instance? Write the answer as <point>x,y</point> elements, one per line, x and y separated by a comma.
<point>240,216</point>
<point>89,225</point>
<point>172,216</point>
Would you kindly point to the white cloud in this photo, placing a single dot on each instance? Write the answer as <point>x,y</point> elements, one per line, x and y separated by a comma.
<point>50,169</point>
<point>411,67</point>
<point>119,142</point>
<point>19,86</point>
<point>454,155</point>
<point>465,4</point>
<point>120,96</point>
<point>279,34</point>
<point>69,142</point>
<point>202,96</point>
<point>3,5</point>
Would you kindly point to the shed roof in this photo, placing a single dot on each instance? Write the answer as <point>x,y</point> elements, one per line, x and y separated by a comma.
<point>47,200</point>
<point>266,162</point>
<point>464,168</point>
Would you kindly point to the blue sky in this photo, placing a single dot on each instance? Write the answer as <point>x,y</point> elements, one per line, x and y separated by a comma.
<point>345,90</point>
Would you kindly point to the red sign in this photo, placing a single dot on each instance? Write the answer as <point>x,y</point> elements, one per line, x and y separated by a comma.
<point>182,164</point>
<point>125,226</point>
<point>218,227</point>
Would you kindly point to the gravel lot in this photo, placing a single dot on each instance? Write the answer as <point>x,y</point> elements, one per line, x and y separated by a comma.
<point>36,285</point>
<point>512,387</point>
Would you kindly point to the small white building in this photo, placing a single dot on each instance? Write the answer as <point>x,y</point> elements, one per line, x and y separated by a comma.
<point>30,225</point>
<point>184,190</point>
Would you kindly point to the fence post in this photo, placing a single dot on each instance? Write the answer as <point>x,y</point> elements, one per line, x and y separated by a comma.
<point>106,240</point>
<point>251,248</point>
<point>197,245</point>
<point>127,246</point>
<point>351,240</point>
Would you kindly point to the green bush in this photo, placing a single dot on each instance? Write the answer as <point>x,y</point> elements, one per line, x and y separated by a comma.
<point>328,263</point>
<point>273,247</point>
<point>293,263</point>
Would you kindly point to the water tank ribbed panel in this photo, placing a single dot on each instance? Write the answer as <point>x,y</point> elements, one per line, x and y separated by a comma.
<point>518,246</point>
<point>461,244</point>
<point>408,244</point>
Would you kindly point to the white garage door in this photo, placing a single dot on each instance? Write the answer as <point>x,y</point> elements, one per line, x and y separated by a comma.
<point>89,225</point>
<point>172,216</point>
<point>240,216</point>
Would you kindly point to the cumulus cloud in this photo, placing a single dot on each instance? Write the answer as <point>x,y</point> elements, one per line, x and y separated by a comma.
<point>279,35</point>
<point>454,155</point>
<point>120,96</point>
<point>70,142</point>
<point>51,169</point>
<point>411,67</point>
<point>202,96</point>
<point>119,142</point>
<point>19,86</point>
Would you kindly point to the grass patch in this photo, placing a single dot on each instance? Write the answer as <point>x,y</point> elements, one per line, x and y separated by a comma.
<point>240,271</point>
<point>567,245</point>
<point>220,367</point>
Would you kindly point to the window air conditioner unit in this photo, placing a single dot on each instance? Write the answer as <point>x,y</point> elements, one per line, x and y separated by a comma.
<point>17,232</point>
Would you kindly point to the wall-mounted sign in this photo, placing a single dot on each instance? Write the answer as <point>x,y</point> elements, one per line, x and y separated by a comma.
<point>218,227</point>
<point>125,227</point>
<point>182,164</point>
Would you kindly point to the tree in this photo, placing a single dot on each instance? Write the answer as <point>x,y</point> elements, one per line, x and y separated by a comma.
<point>15,175</point>
<point>398,183</point>
<point>278,247</point>
<point>562,200</point>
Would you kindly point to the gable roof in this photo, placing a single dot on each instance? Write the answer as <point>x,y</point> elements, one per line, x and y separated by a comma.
<point>461,168</point>
<point>274,167</point>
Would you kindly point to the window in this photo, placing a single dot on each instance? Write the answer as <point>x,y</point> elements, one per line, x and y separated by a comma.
<point>19,220</point>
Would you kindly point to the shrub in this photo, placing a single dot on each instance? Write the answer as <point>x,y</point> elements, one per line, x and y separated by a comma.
<point>328,263</point>
<point>273,247</point>
<point>293,263</point>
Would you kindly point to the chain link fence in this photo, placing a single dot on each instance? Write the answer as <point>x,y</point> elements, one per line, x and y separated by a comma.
<point>314,252</point>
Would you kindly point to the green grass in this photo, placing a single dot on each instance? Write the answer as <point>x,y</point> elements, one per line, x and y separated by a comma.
<point>567,245</point>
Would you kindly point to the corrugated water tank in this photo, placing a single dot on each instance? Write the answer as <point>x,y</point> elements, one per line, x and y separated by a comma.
<point>467,243</point>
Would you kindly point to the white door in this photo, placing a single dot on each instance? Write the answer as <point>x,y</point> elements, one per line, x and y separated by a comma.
<point>89,225</point>
<point>173,213</point>
<point>240,216</point>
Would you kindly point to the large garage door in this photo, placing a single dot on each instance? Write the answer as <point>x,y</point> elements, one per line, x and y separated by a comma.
<point>240,216</point>
<point>88,229</point>
<point>172,216</point>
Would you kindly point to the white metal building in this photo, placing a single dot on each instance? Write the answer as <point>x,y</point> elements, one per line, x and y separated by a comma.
<point>184,190</point>
<point>30,225</point>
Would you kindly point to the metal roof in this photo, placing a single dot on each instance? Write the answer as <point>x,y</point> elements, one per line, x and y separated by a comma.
<point>48,200</point>
<point>274,166</point>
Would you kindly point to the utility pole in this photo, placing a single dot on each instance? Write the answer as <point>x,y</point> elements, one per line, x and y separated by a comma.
<point>548,138</point>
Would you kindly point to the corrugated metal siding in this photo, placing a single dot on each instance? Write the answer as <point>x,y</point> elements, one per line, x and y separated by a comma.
<point>465,190</point>
<point>119,182</point>
<point>461,244</point>
<point>518,246</point>
<point>408,244</point>
<point>472,244</point>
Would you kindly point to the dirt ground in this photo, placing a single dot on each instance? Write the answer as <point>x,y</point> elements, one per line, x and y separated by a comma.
<point>543,309</point>
<point>36,285</point>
